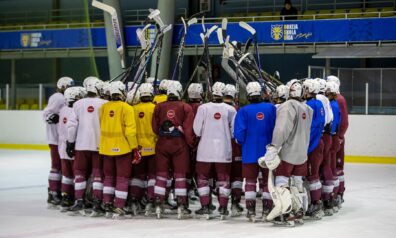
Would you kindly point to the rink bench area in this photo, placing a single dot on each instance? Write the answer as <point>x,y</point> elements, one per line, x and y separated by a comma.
<point>369,139</point>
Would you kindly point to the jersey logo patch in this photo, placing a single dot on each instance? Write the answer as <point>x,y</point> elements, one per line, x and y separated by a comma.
<point>141,114</point>
<point>304,115</point>
<point>115,149</point>
<point>322,111</point>
<point>260,116</point>
<point>111,113</point>
<point>64,120</point>
<point>170,114</point>
<point>217,116</point>
<point>90,109</point>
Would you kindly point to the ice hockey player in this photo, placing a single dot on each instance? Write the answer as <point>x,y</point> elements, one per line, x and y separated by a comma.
<point>83,133</point>
<point>119,147</point>
<point>287,153</point>
<point>195,96</point>
<point>144,172</point>
<point>71,94</point>
<point>331,92</point>
<point>341,136</point>
<point>162,92</point>
<point>236,179</point>
<point>104,91</point>
<point>172,122</point>
<point>315,149</point>
<point>254,125</point>
<point>51,117</point>
<point>213,124</point>
<point>280,95</point>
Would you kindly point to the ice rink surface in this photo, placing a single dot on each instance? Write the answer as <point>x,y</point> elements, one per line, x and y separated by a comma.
<point>369,209</point>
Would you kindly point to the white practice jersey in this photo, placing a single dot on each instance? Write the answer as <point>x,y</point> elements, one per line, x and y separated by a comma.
<point>83,126</point>
<point>327,108</point>
<point>55,104</point>
<point>64,115</point>
<point>214,123</point>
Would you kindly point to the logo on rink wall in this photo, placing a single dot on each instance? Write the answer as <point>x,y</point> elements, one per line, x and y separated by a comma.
<point>90,109</point>
<point>288,32</point>
<point>260,116</point>
<point>170,114</point>
<point>33,40</point>
<point>217,116</point>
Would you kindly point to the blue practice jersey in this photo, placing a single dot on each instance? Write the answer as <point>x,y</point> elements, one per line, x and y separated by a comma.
<point>336,116</point>
<point>317,125</point>
<point>253,129</point>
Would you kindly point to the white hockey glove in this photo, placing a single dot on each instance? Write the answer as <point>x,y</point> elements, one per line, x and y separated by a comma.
<point>271,159</point>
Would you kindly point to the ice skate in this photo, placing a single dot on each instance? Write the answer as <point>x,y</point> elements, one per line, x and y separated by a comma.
<point>335,204</point>
<point>236,209</point>
<point>284,220</point>
<point>159,208</point>
<point>328,208</point>
<point>193,196</point>
<point>204,211</point>
<point>97,209</point>
<point>298,217</point>
<point>223,213</point>
<point>53,200</point>
<point>170,206</point>
<point>134,207</point>
<point>251,214</point>
<point>183,212</point>
<point>77,209</point>
<point>315,211</point>
<point>119,213</point>
<point>66,203</point>
<point>108,208</point>
<point>149,209</point>
<point>267,207</point>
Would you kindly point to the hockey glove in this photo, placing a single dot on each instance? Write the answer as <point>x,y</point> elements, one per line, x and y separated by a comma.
<point>53,119</point>
<point>70,148</point>
<point>137,157</point>
<point>271,159</point>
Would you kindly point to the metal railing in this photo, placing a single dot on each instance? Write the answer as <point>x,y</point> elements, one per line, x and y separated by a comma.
<point>334,4</point>
<point>248,6</point>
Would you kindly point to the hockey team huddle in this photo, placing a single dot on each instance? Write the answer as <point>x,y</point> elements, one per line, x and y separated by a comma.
<point>119,153</point>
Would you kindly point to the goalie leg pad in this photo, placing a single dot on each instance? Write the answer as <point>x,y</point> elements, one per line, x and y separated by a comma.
<point>282,199</point>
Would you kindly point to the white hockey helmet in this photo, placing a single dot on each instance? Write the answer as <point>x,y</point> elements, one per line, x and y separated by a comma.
<point>105,90</point>
<point>230,90</point>
<point>72,94</point>
<point>310,86</point>
<point>64,83</point>
<point>332,87</point>
<point>92,84</point>
<point>253,89</point>
<point>164,84</point>
<point>133,96</point>
<point>195,91</point>
<point>322,85</point>
<point>295,89</point>
<point>218,89</point>
<point>146,90</point>
<point>288,84</point>
<point>83,91</point>
<point>282,92</point>
<point>332,78</point>
<point>117,87</point>
<point>174,88</point>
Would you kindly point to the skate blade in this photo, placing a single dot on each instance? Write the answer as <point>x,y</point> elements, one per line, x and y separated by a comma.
<point>284,224</point>
<point>252,219</point>
<point>109,215</point>
<point>52,206</point>
<point>96,214</point>
<point>236,214</point>
<point>64,209</point>
<point>118,217</point>
<point>299,221</point>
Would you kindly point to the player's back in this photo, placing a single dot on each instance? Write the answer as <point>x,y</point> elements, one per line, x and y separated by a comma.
<point>64,116</point>
<point>143,117</point>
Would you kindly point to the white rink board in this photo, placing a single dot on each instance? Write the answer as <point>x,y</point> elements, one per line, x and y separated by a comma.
<point>370,135</point>
<point>368,210</point>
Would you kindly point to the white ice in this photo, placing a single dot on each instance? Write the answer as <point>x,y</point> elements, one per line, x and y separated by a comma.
<point>369,209</point>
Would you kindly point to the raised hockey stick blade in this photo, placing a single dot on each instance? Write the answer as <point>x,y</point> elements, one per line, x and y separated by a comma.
<point>247,27</point>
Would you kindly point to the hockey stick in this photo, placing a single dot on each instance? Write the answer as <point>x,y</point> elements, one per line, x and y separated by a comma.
<point>116,28</point>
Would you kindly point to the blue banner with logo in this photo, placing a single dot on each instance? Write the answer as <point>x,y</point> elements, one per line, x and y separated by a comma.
<point>290,32</point>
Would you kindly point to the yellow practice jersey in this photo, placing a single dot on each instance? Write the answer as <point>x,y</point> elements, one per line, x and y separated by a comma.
<point>145,135</point>
<point>160,98</point>
<point>117,129</point>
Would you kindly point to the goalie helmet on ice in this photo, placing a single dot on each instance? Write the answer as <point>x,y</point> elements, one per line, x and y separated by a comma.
<point>195,91</point>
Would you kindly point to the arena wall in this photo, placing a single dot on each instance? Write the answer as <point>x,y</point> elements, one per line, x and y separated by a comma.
<point>367,136</point>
